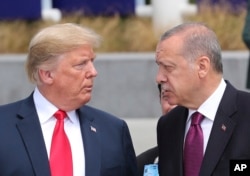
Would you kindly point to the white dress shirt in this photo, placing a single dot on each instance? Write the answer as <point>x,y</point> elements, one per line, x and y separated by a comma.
<point>208,109</point>
<point>45,111</point>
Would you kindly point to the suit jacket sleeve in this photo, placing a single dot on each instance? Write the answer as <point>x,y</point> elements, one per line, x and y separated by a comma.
<point>129,152</point>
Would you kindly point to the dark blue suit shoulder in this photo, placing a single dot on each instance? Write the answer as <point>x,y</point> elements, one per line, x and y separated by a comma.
<point>99,115</point>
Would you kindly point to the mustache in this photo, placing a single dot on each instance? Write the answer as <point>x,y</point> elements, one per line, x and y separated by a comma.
<point>164,88</point>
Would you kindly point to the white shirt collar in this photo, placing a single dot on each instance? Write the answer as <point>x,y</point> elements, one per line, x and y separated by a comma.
<point>46,110</point>
<point>210,106</point>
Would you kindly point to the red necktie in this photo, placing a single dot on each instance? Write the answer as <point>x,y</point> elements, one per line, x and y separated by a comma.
<point>193,149</point>
<point>60,152</point>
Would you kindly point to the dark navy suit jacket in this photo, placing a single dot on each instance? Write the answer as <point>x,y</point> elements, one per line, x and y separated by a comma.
<point>108,145</point>
<point>229,138</point>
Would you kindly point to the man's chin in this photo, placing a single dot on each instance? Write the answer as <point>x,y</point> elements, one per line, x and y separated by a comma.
<point>85,99</point>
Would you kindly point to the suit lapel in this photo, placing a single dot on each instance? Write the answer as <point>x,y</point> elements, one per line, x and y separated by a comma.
<point>171,153</point>
<point>180,141</point>
<point>90,134</point>
<point>31,133</point>
<point>221,131</point>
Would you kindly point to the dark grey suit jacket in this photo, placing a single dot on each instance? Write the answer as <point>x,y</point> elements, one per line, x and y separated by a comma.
<point>108,149</point>
<point>229,138</point>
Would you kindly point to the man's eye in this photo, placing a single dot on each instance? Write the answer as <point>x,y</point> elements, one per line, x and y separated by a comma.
<point>80,66</point>
<point>168,68</point>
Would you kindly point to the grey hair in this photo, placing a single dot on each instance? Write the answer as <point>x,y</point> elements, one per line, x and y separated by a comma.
<point>199,40</point>
<point>50,43</point>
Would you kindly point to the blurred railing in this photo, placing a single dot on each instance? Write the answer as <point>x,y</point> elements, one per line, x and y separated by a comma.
<point>125,85</point>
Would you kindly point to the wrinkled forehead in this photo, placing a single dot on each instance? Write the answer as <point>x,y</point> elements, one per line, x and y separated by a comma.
<point>170,46</point>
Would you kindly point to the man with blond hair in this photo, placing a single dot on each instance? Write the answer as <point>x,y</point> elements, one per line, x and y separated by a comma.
<point>53,131</point>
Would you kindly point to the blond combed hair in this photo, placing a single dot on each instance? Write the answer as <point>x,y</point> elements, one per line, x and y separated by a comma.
<point>54,41</point>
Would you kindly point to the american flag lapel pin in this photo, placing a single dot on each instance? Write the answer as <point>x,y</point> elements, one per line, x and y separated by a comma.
<point>93,129</point>
<point>223,127</point>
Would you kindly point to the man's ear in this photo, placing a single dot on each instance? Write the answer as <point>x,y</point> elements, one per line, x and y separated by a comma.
<point>204,65</point>
<point>46,76</point>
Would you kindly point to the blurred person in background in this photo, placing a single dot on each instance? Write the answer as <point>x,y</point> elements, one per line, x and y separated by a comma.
<point>246,39</point>
<point>150,156</point>
<point>202,134</point>
<point>165,106</point>
<point>53,132</point>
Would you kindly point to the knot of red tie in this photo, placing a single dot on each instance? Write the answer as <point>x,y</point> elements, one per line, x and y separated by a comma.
<point>60,114</point>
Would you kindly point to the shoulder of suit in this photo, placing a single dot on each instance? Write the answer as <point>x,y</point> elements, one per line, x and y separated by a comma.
<point>174,114</point>
<point>98,113</point>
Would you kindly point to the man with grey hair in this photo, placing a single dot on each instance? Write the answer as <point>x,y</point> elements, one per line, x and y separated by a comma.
<point>53,132</point>
<point>209,129</point>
